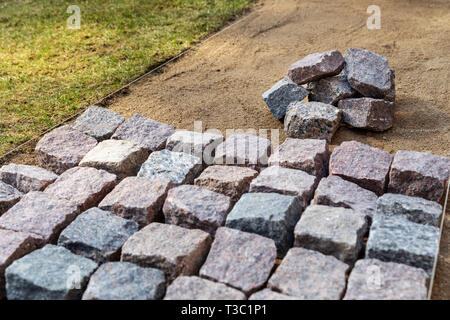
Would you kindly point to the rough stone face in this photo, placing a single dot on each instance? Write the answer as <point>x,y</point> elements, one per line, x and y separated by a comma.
<point>231,181</point>
<point>150,134</point>
<point>281,95</point>
<point>85,187</point>
<point>316,66</point>
<point>26,178</point>
<point>97,235</point>
<point>9,196</point>
<point>310,275</point>
<point>239,259</point>
<point>364,165</point>
<point>13,245</point>
<point>419,174</point>
<point>334,191</point>
<point>138,199</point>
<point>373,279</point>
<point>368,73</point>
<point>286,181</point>
<point>311,120</point>
<point>309,155</point>
<point>193,207</point>
<point>332,230</point>
<point>201,145</point>
<point>175,250</point>
<point>179,167</point>
<point>63,148</point>
<point>244,150</point>
<point>120,157</point>
<point>125,281</point>
<point>97,122</point>
<point>396,239</point>
<point>195,288</point>
<point>367,113</point>
<point>415,209</point>
<point>50,273</point>
<point>41,215</point>
<point>330,90</point>
<point>267,294</point>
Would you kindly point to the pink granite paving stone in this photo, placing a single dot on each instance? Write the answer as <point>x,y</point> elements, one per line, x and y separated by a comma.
<point>419,174</point>
<point>310,275</point>
<point>309,155</point>
<point>26,178</point>
<point>316,66</point>
<point>231,181</point>
<point>41,215</point>
<point>150,134</point>
<point>170,248</point>
<point>194,207</point>
<point>267,294</point>
<point>84,187</point>
<point>243,150</point>
<point>372,279</point>
<point>138,199</point>
<point>239,259</point>
<point>13,245</point>
<point>364,165</point>
<point>63,148</point>
<point>9,196</point>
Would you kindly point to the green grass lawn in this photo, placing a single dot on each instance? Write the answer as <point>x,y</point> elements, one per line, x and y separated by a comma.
<point>48,72</point>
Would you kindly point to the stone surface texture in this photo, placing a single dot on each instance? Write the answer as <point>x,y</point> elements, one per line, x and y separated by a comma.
<point>9,196</point>
<point>267,294</point>
<point>26,178</point>
<point>330,90</point>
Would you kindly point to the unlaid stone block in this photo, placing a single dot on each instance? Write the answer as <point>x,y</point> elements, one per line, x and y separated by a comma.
<point>239,259</point>
<point>97,235</point>
<point>372,279</point>
<point>419,174</point>
<point>193,207</point>
<point>330,90</point>
<point>9,196</point>
<point>97,122</point>
<point>173,249</point>
<point>415,209</point>
<point>63,148</point>
<point>138,199</point>
<point>26,178</point>
<point>267,294</point>
<point>195,288</point>
<point>286,181</point>
<point>125,281</point>
<point>179,167</point>
<point>364,165</point>
<point>83,186</point>
<point>281,95</point>
<point>316,66</point>
<point>333,231</point>
<point>396,239</point>
<point>334,191</point>
<point>315,120</point>
<point>50,273</point>
<point>309,155</point>
<point>231,181</point>
<point>120,157</point>
<point>367,113</point>
<point>244,150</point>
<point>150,134</point>
<point>41,215</point>
<point>310,275</point>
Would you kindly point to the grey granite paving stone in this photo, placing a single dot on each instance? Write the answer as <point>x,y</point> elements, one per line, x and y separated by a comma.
<point>330,90</point>
<point>98,235</point>
<point>310,275</point>
<point>125,281</point>
<point>179,167</point>
<point>267,294</point>
<point>50,273</point>
<point>9,196</point>
<point>239,259</point>
<point>195,288</point>
<point>138,199</point>
<point>98,122</point>
<point>396,239</point>
<point>63,148</point>
<point>26,178</point>
<point>170,248</point>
